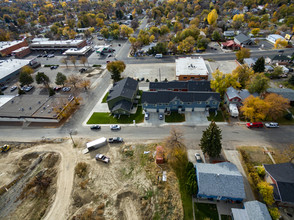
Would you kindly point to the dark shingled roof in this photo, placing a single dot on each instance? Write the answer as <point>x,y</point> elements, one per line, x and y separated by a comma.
<point>155,97</point>
<point>123,104</point>
<point>189,85</point>
<point>242,38</point>
<point>283,174</point>
<point>125,88</point>
<point>280,57</point>
<point>285,92</point>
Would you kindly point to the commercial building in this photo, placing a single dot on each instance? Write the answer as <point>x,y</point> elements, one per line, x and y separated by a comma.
<point>274,37</point>
<point>58,44</point>
<point>35,108</point>
<point>7,47</point>
<point>21,52</point>
<point>11,68</point>
<point>78,52</point>
<point>191,68</point>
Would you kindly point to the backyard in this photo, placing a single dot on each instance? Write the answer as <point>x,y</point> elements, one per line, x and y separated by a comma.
<point>205,211</point>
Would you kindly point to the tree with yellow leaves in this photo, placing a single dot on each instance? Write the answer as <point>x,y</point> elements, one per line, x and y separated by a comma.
<point>254,108</point>
<point>243,72</point>
<point>278,104</point>
<point>267,192</point>
<point>281,43</point>
<point>238,17</point>
<point>126,31</point>
<point>187,45</point>
<point>255,31</point>
<point>212,17</point>
<point>221,81</point>
<point>243,53</point>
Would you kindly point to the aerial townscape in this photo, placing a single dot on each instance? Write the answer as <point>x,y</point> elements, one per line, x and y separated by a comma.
<point>147,109</point>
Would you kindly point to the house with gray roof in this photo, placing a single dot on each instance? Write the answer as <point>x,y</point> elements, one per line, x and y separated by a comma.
<point>250,61</point>
<point>234,96</point>
<point>281,177</point>
<point>167,101</point>
<point>279,59</point>
<point>221,181</point>
<point>122,96</point>
<point>253,210</point>
<point>285,92</point>
<point>175,85</point>
<point>242,39</point>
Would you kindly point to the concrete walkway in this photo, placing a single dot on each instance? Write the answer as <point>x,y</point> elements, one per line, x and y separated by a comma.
<point>233,157</point>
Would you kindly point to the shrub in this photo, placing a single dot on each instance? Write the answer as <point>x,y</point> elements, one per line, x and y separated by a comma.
<point>288,116</point>
<point>261,171</point>
<point>81,169</point>
<point>274,212</point>
<point>51,91</point>
<point>267,192</point>
<point>147,80</point>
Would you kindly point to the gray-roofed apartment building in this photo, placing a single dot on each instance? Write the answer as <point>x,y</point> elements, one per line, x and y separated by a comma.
<point>122,96</point>
<point>190,85</point>
<point>253,210</point>
<point>221,181</point>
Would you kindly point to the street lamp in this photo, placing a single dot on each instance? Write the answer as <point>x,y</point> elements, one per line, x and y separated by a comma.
<point>70,134</point>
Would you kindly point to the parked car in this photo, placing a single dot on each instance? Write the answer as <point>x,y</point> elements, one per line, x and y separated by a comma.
<point>95,127</point>
<point>45,55</point>
<point>108,61</point>
<point>13,88</point>
<point>115,140</point>
<point>115,127</point>
<point>39,55</point>
<point>271,125</point>
<point>109,55</point>
<point>57,88</point>
<point>147,115</point>
<point>27,88</point>
<point>102,158</point>
<point>83,70</point>
<point>160,116</point>
<point>198,158</point>
<point>53,67</point>
<point>254,125</point>
<point>50,55</point>
<point>100,38</point>
<point>66,89</point>
<point>3,88</point>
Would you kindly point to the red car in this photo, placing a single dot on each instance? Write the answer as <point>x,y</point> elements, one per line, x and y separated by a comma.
<point>254,125</point>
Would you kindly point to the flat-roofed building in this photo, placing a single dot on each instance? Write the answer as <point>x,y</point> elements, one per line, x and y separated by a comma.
<point>21,52</point>
<point>191,68</point>
<point>78,52</point>
<point>6,47</point>
<point>11,68</point>
<point>58,44</point>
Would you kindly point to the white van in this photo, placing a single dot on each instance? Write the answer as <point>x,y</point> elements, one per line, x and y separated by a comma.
<point>233,110</point>
<point>159,55</point>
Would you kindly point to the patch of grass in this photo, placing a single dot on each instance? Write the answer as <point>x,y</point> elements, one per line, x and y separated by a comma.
<point>284,121</point>
<point>106,118</point>
<point>96,65</point>
<point>256,155</point>
<point>226,217</point>
<point>186,202</point>
<point>205,211</point>
<point>105,98</point>
<point>218,118</point>
<point>175,117</point>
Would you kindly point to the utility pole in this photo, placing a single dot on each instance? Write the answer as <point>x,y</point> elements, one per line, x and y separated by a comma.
<point>70,134</point>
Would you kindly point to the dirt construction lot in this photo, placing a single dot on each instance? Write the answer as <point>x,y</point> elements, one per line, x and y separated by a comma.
<point>70,185</point>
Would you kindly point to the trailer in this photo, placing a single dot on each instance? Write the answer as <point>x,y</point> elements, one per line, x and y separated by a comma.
<point>233,110</point>
<point>93,145</point>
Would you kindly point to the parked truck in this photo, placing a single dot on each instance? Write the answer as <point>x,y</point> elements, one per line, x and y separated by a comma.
<point>233,110</point>
<point>93,145</point>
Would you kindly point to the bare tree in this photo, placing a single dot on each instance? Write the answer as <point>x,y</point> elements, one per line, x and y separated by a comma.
<point>73,60</point>
<point>73,80</point>
<point>64,61</point>
<point>85,83</point>
<point>84,60</point>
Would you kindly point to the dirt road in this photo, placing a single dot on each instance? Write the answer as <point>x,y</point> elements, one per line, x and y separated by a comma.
<point>59,208</point>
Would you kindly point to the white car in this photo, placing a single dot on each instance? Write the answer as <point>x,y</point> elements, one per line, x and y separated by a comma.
<point>102,158</point>
<point>115,127</point>
<point>271,125</point>
<point>198,158</point>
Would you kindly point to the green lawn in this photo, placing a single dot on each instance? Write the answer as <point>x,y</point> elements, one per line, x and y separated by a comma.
<point>186,201</point>
<point>218,118</point>
<point>205,211</point>
<point>105,97</point>
<point>175,117</point>
<point>106,118</point>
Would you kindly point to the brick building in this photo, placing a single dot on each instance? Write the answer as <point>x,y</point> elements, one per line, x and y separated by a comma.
<point>7,47</point>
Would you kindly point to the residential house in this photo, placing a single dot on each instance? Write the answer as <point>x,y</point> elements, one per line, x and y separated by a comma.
<point>185,86</point>
<point>234,96</point>
<point>253,210</point>
<point>242,40</point>
<point>221,181</point>
<point>281,177</point>
<point>279,59</point>
<point>230,45</point>
<point>122,96</point>
<point>166,101</point>
<point>250,61</point>
<point>191,68</point>
<point>285,92</point>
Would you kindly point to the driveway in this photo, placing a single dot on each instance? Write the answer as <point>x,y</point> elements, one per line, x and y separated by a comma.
<point>195,118</point>
<point>233,157</point>
<point>153,120</point>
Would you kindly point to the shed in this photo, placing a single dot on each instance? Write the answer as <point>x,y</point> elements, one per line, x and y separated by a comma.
<point>159,155</point>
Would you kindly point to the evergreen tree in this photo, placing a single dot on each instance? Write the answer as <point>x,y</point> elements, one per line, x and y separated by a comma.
<point>259,65</point>
<point>210,142</point>
<point>60,79</point>
<point>25,79</point>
